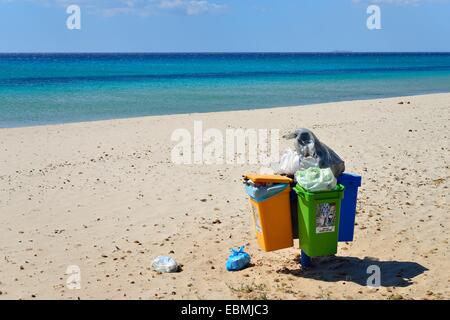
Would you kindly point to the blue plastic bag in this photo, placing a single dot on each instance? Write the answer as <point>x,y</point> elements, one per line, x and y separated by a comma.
<point>238,259</point>
<point>262,193</point>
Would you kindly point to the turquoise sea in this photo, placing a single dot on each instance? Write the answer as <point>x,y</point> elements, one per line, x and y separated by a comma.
<point>40,89</point>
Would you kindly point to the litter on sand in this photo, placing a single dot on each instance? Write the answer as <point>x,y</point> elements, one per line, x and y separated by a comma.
<point>165,264</point>
<point>238,260</point>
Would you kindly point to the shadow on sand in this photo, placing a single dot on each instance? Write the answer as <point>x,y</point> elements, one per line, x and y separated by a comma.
<point>350,269</point>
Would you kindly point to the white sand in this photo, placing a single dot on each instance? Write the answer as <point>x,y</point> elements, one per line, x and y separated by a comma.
<point>106,197</point>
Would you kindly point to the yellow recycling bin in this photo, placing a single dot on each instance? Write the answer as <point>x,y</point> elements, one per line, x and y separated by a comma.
<point>269,200</point>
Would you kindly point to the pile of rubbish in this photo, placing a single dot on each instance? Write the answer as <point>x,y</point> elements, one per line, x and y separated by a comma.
<point>302,197</point>
<point>314,167</point>
<point>312,164</point>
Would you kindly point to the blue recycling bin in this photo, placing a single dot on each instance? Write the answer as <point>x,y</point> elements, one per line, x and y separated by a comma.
<point>351,182</point>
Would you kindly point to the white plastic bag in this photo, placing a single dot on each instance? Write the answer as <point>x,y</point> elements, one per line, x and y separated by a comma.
<point>165,264</point>
<point>289,163</point>
<point>315,179</point>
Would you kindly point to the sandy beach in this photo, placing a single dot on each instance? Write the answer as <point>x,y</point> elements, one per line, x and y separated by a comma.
<point>105,196</point>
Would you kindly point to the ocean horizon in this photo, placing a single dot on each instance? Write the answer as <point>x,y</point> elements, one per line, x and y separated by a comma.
<point>53,88</point>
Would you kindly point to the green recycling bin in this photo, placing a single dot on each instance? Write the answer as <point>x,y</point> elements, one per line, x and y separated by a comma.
<point>318,220</point>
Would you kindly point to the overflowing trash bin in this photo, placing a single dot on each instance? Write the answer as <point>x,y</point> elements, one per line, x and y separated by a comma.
<point>270,203</point>
<point>351,182</point>
<point>318,220</point>
<point>318,209</point>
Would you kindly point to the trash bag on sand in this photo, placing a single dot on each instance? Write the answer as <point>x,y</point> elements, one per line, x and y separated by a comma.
<point>308,145</point>
<point>165,264</point>
<point>315,179</point>
<point>238,259</point>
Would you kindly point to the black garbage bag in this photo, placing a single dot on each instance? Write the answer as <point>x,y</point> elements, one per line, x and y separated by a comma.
<point>309,146</point>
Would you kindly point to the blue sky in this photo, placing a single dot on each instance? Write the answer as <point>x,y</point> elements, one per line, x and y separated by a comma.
<point>224,26</point>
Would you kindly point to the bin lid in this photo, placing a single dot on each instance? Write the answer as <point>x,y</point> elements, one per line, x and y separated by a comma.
<point>350,178</point>
<point>266,178</point>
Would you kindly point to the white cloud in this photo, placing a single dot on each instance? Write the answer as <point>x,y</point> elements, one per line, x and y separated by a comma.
<point>137,7</point>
